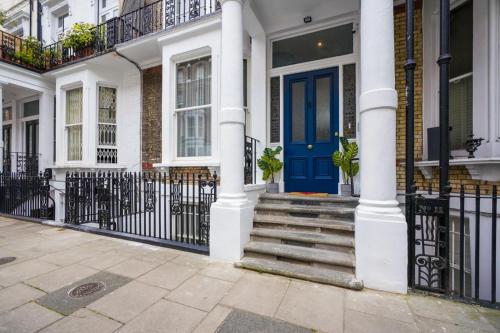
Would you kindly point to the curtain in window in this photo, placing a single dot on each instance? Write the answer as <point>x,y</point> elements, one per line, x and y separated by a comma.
<point>74,123</point>
<point>194,109</point>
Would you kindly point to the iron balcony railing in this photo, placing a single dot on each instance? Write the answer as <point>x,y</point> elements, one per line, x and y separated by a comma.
<point>146,20</point>
<point>22,163</point>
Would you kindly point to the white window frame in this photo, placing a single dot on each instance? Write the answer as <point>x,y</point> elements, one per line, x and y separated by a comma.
<point>98,146</point>
<point>108,12</point>
<point>66,126</point>
<point>177,111</point>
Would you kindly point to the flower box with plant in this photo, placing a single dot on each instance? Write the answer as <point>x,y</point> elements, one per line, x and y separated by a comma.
<point>344,160</point>
<point>29,53</point>
<point>270,165</point>
<point>80,39</point>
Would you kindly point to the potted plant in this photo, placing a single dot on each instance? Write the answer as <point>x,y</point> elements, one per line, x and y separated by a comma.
<point>79,38</point>
<point>343,160</point>
<point>270,165</point>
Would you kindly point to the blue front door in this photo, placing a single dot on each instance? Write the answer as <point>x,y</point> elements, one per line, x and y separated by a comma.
<point>311,131</point>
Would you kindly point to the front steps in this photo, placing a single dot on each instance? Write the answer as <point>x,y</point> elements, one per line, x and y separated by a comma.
<point>308,238</point>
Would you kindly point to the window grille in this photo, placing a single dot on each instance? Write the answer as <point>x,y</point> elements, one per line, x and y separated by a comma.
<point>106,127</point>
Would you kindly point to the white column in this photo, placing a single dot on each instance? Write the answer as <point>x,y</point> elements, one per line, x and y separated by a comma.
<point>46,130</point>
<point>381,237</point>
<point>1,127</point>
<point>231,216</point>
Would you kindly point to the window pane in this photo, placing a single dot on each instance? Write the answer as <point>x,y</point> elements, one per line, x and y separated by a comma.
<point>193,133</point>
<point>107,105</point>
<point>322,44</point>
<point>323,109</point>
<point>275,109</point>
<point>460,112</point>
<point>75,143</point>
<point>298,111</point>
<point>31,108</point>
<point>74,106</point>
<point>7,113</point>
<point>193,83</point>
<point>349,101</point>
<point>461,40</point>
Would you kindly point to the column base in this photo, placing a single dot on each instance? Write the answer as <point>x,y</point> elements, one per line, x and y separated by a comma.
<point>230,227</point>
<point>381,250</point>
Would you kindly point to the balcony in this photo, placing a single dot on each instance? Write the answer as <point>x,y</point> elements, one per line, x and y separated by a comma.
<point>153,18</point>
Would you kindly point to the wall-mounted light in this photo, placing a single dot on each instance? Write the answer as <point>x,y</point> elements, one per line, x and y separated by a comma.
<point>320,44</point>
<point>308,19</point>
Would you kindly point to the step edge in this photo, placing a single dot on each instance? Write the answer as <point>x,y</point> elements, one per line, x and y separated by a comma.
<point>261,232</point>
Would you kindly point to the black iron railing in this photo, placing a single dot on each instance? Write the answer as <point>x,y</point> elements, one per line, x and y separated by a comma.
<point>20,163</point>
<point>141,22</point>
<point>250,160</point>
<point>174,209</point>
<point>26,195</point>
<point>453,244</point>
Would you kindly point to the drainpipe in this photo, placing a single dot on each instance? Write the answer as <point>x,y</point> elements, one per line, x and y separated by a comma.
<point>31,17</point>
<point>98,5</point>
<point>141,73</point>
<point>39,20</point>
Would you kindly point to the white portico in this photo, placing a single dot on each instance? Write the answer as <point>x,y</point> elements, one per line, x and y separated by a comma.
<point>380,227</point>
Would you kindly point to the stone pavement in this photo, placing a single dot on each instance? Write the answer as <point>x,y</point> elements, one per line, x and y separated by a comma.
<point>142,288</point>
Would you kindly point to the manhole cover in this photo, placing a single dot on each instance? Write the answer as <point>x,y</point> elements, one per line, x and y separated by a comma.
<point>6,260</point>
<point>86,289</point>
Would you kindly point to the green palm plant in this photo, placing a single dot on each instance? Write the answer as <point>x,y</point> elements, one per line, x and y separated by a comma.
<point>343,159</point>
<point>269,164</point>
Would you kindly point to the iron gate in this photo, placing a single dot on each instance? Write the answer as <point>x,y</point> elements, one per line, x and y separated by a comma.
<point>172,209</point>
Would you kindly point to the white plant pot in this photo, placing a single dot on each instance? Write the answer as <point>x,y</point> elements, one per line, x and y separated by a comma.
<point>273,188</point>
<point>345,190</point>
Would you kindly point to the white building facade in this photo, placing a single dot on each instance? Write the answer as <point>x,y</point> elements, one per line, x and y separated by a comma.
<point>295,74</point>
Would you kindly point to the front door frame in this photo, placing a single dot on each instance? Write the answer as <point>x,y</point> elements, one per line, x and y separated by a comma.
<point>319,148</point>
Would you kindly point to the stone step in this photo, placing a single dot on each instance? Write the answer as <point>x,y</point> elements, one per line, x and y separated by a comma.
<point>290,199</point>
<point>313,239</point>
<point>314,274</point>
<point>346,213</point>
<point>301,254</point>
<point>302,223</point>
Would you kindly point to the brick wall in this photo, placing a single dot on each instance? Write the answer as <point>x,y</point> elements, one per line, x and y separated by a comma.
<point>458,174</point>
<point>151,117</point>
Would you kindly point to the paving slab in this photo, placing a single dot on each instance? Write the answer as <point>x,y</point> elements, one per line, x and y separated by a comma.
<point>223,271</point>
<point>28,318</point>
<point>83,321</point>
<point>359,322</point>
<point>17,295</point>
<point>165,316</point>
<point>192,260</point>
<point>61,302</point>
<point>168,276</point>
<point>200,292</point>
<point>492,316</point>
<point>429,325</point>
<point>245,322</point>
<point>24,270</point>
<point>312,305</point>
<point>258,293</point>
<point>377,303</point>
<point>448,311</point>
<point>106,260</point>
<point>213,320</point>
<point>61,277</point>
<point>128,301</point>
<point>132,268</point>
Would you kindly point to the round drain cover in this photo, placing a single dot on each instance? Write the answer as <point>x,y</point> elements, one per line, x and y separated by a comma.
<point>86,289</point>
<point>6,260</point>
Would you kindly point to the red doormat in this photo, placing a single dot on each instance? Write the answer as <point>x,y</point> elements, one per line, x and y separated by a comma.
<point>310,194</point>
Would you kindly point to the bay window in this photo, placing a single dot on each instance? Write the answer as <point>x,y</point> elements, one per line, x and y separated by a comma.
<point>106,126</point>
<point>193,108</point>
<point>74,100</point>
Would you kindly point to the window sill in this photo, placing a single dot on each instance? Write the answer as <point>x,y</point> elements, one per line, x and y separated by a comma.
<point>199,163</point>
<point>486,169</point>
<point>88,167</point>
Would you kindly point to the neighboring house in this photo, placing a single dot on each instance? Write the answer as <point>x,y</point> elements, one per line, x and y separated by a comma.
<point>180,85</point>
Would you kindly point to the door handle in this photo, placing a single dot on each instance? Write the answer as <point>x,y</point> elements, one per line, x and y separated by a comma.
<point>337,134</point>
<point>309,147</point>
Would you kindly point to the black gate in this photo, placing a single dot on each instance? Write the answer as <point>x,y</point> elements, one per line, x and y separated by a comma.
<point>26,195</point>
<point>173,210</point>
<point>452,237</point>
